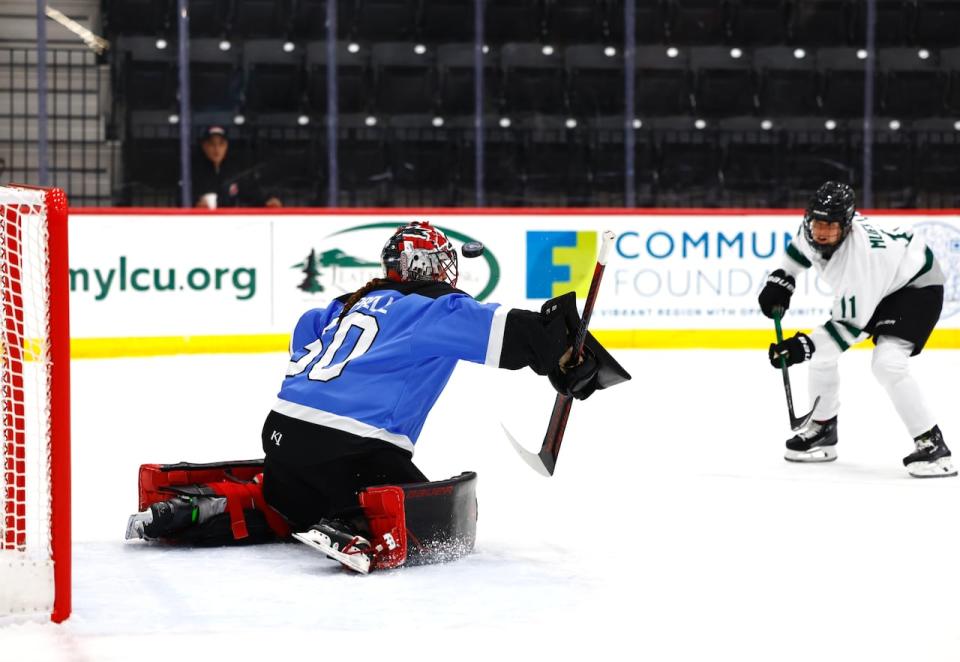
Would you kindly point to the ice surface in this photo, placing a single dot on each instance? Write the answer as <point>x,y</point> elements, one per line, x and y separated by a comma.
<point>672,530</point>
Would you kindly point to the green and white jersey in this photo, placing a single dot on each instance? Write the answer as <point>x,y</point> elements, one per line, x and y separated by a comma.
<point>872,262</point>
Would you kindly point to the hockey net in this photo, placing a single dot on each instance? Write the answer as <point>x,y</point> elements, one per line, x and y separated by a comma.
<point>34,389</point>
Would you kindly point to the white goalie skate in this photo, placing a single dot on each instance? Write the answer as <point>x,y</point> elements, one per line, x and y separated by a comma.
<point>352,551</point>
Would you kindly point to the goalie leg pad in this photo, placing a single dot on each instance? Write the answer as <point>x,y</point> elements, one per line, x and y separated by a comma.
<point>421,523</point>
<point>248,519</point>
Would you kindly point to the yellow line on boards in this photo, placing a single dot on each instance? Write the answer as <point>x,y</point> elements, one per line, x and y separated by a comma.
<point>103,348</point>
<point>111,348</point>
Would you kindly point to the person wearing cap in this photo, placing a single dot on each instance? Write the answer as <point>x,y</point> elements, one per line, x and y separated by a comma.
<point>218,182</point>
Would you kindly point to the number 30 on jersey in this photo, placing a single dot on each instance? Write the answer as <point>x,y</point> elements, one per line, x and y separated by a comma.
<point>321,357</point>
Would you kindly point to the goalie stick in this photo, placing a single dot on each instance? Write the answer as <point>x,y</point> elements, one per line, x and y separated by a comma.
<point>545,461</point>
<point>796,423</point>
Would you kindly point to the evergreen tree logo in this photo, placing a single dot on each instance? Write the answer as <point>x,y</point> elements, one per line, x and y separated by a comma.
<point>311,281</point>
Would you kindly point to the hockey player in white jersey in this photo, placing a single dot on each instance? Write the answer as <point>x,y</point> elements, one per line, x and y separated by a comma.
<point>887,284</point>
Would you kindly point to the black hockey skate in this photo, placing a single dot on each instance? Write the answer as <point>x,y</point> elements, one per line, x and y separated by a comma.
<point>817,442</point>
<point>932,457</point>
<point>164,518</point>
<point>334,538</point>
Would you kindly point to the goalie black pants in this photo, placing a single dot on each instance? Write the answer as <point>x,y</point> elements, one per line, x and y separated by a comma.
<point>316,472</point>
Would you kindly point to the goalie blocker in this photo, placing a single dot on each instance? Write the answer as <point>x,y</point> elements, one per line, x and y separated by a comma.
<point>428,522</point>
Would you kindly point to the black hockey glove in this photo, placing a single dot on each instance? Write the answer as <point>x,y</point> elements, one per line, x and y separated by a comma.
<point>796,350</point>
<point>579,381</point>
<point>777,292</point>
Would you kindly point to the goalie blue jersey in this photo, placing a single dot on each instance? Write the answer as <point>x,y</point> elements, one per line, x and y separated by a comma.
<point>377,372</point>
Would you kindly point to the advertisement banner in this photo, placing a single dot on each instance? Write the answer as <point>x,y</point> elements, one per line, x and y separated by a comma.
<point>190,274</point>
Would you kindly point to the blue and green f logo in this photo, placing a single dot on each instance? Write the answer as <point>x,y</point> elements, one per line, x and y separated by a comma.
<point>558,262</point>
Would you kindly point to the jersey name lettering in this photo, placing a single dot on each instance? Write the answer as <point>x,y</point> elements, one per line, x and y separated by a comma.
<point>371,303</point>
<point>876,239</point>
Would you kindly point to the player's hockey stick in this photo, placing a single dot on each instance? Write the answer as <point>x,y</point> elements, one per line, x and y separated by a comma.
<point>545,461</point>
<point>795,422</point>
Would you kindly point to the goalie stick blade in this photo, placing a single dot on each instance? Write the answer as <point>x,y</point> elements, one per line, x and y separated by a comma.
<point>535,461</point>
<point>798,423</point>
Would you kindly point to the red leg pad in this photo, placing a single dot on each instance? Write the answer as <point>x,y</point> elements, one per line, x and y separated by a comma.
<point>384,509</point>
<point>155,478</point>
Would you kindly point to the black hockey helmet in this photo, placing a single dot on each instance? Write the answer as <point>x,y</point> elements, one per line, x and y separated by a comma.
<point>834,202</point>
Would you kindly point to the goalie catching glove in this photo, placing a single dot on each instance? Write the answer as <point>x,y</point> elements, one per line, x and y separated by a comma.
<point>596,369</point>
<point>795,350</point>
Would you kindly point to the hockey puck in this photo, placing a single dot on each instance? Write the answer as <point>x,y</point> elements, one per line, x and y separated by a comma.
<point>472,249</point>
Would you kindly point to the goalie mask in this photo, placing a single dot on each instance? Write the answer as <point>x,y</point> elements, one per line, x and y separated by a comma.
<point>832,203</point>
<point>419,251</point>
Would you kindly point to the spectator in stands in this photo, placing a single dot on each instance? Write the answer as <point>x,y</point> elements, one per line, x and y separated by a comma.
<point>219,182</point>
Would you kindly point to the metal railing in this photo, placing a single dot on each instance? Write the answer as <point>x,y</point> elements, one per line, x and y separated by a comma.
<point>82,152</point>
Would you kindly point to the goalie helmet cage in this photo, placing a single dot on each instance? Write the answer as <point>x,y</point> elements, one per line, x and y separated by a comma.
<point>35,407</point>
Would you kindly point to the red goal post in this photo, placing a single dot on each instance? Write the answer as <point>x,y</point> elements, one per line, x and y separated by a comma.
<point>34,403</point>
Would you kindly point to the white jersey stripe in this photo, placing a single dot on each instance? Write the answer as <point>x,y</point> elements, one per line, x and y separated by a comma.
<point>495,343</point>
<point>342,423</point>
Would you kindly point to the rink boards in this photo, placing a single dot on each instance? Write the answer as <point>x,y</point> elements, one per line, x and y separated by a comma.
<point>151,282</point>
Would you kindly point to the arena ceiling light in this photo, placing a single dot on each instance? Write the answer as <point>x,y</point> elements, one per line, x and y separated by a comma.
<point>923,54</point>
<point>894,125</point>
<point>370,120</point>
<point>225,45</point>
<point>637,123</point>
<point>830,125</point>
<point>289,47</point>
<point>353,47</point>
<point>799,53</point>
<point>672,52</point>
<point>505,122</point>
<point>173,118</point>
<point>161,44</point>
<point>239,119</point>
<point>571,123</point>
<point>437,121</point>
<point>700,124</point>
<point>547,49</point>
<point>862,53</point>
<point>419,49</point>
<point>736,53</point>
<point>956,125</point>
<point>303,120</point>
<point>610,51</point>
<point>766,125</point>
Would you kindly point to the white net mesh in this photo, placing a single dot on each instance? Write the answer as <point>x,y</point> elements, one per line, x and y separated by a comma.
<point>26,556</point>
